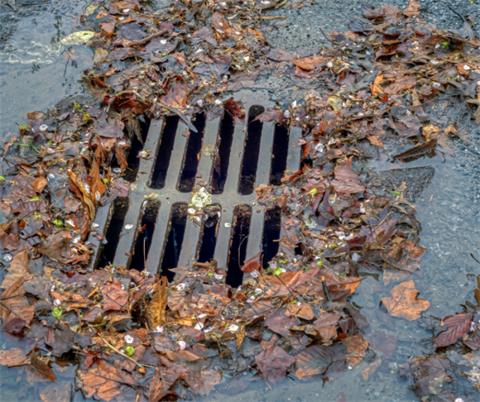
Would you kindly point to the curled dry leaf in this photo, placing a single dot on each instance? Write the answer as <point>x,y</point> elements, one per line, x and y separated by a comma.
<point>253,264</point>
<point>400,85</point>
<point>376,87</point>
<point>412,9</point>
<point>403,302</point>
<point>17,270</point>
<point>156,312</point>
<point>114,296</point>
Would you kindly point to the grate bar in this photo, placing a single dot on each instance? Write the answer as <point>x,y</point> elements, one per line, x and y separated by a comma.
<point>191,238</point>
<point>265,155</point>
<point>210,140</point>
<point>233,172</point>
<point>254,243</point>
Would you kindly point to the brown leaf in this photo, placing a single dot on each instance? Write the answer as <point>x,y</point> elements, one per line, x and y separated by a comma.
<point>367,372</point>
<point>357,347</point>
<point>403,302</point>
<point>273,362</point>
<point>458,325</point>
<point>163,379</point>
<point>412,9</point>
<point>279,323</point>
<point>114,296</point>
<point>39,184</point>
<point>57,246</point>
<point>327,325</point>
<point>376,87</point>
<point>97,187</point>
<point>301,310</point>
<point>232,108</point>
<point>13,357</point>
<point>382,344</point>
<point>400,85</point>
<point>16,313</point>
<point>58,392</point>
<point>41,369</point>
<point>18,269</point>
<point>346,180</point>
<point>252,264</point>
<point>308,63</point>
<point>312,361</point>
<point>156,312</point>
<point>272,114</point>
<point>86,196</point>
<point>106,381</point>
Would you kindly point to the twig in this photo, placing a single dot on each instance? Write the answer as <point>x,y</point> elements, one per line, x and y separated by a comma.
<point>461,16</point>
<point>271,17</point>
<point>281,4</point>
<point>325,290</point>
<point>326,37</point>
<point>474,258</point>
<point>147,39</point>
<point>121,353</point>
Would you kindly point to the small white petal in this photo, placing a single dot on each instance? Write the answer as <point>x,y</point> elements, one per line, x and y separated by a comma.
<point>202,315</point>
<point>251,299</point>
<point>159,328</point>
<point>436,85</point>
<point>254,274</point>
<point>8,258</point>
<point>218,102</point>
<point>182,345</point>
<point>128,226</point>
<point>258,291</point>
<point>467,68</point>
<point>228,225</point>
<point>121,18</point>
<point>329,64</point>
<point>43,127</point>
<point>95,225</point>
<point>128,338</point>
<point>52,289</point>
<point>218,277</point>
<point>57,302</point>
<point>286,113</point>
<point>126,10</point>
<point>191,211</point>
<point>294,104</point>
<point>232,328</point>
<point>199,326</point>
<point>181,286</point>
<point>200,103</point>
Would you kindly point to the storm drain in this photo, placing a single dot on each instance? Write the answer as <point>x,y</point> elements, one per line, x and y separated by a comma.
<point>154,229</point>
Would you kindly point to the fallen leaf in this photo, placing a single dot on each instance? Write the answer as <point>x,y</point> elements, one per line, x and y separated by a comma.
<point>346,180</point>
<point>17,270</point>
<point>357,347</point>
<point>114,296</point>
<point>327,325</point>
<point>279,322</point>
<point>58,392</point>
<point>274,361</point>
<point>400,85</point>
<point>458,325</point>
<point>301,310</point>
<point>252,264</point>
<point>156,312</point>
<point>403,302</point>
<point>41,369</point>
<point>13,357</point>
<point>367,372</point>
<point>412,9</point>
<point>376,87</point>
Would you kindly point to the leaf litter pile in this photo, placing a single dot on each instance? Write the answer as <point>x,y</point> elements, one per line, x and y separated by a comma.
<point>391,79</point>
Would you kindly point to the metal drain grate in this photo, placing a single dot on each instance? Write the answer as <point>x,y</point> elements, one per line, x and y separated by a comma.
<point>171,196</point>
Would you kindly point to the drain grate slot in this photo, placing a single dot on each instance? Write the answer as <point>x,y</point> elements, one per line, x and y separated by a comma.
<point>209,234</point>
<point>176,233</point>
<point>144,235</point>
<point>251,153</point>
<point>191,158</point>
<point>271,234</point>
<point>279,155</point>
<point>133,159</point>
<point>112,237</point>
<point>238,244</point>
<point>164,153</point>
<point>222,157</point>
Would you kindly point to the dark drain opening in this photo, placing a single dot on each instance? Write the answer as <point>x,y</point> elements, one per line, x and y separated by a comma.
<point>176,232</point>
<point>279,155</point>
<point>238,245</point>
<point>113,232</point>
<point>271,234</point>
<point>144,236</point>
<point>164,153</point>
<point>222,158</point>
<point>209,236</point>
<point>133,159</point>
<point>251,152</point>
<point>191,158</point>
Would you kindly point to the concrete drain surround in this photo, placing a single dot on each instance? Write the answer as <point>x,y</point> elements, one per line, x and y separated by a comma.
<point>235,193</point>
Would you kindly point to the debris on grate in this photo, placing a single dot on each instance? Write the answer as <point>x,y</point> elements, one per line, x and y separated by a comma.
<point>221,164</point>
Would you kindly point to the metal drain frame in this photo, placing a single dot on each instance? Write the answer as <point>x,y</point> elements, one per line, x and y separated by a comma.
<point>169,195</point>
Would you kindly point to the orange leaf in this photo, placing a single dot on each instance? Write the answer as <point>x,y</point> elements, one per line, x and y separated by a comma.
<point>376,87</point>
<point>403,302</point>
<point>412,9</point>
<point>13,357</point>
<point>402,84</point>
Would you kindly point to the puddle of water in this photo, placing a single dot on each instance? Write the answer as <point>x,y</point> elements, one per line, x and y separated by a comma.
<point>36,71</point>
